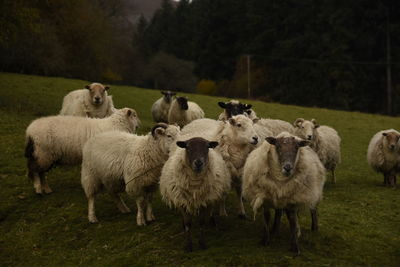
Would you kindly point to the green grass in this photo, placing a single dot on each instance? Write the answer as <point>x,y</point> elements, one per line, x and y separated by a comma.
<point>359,218</point>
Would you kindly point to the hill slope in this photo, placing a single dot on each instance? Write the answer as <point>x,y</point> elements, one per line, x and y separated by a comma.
<point>359,218</point>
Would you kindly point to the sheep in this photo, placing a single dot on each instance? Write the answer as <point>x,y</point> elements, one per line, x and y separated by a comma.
<point>183,111</point>
<point>271,127</point>
<point>283,173</point>
<point>324,140</point>
<point>92,102</point>
<point>236,137</point>
<point>119,162</point>
<point>234,107</point>
<point>192,180</point>
<point>383,155</point>
<point>58,140</point>
<point>160,108</point>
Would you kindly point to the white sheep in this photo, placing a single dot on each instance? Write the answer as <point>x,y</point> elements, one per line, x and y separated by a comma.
<point>384,155</point>
<point>117,162</point>
<point>324,140</point>
<point>92,102</point>
<point>284,173</point>
<point>233,108</point>
<point>58,140</point>
<point>160,108</point>
<point>192,180</point>
<point>271,127</point>
<point>183,111</point>
<point>236,138</point>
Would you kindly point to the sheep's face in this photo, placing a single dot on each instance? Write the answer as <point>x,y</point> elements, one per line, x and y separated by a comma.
<point>242,130</point>
<point>183,102</point>
<point>97,93</point>
<point>197,152</point>
<point>287,149</point>
<point>305,129</point>
<point>234,107</point>
<point>166,134</point>
<point>132,117</point>
<point>391,140</point>
<point>168,95</point>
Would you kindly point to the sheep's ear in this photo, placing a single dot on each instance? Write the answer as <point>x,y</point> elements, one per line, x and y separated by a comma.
<point>87,87</point>
<point>222,105</point>
<point>246,106</point>
<point>212,144</point>
<point>106,88</point>
<point>164,93</point>
<point>255,120</point>
<point>298,122</point>
<point>271,140</point>
<point>232,121</point>
<point>128,112</point>
<point>316,125</point>
<point>303,143</point>
<point>173,93</point>
<point>181,144</point>
<point>384,134</point>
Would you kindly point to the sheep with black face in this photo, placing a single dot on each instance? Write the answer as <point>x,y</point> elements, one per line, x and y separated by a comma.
<point>233,108</point>
<point>324,140</point>
<point>183,111</point>
<point>284,173</point>
<point>160,108</point>
<point>192,180</point>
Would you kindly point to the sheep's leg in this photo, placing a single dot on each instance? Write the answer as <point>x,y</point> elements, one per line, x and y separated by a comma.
<point>37,185</point>
<point>392,180</point>
<point>265,236</point>
<point>386,179</point>
<point>91,210</point>
<point>149,208</point>
<point>277,221</point>
<point>314,219</point>
<point>242,212</point>
<point>334,176</point>
<point>294,230</point>
<point>123,208</point>
<point>222,210</point>
<point>140,219</point>
<point>187,227</point>
<point>44,184</point>
<point>202,223</point>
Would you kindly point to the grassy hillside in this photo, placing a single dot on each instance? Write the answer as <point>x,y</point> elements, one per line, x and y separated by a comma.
<point>359,218</point>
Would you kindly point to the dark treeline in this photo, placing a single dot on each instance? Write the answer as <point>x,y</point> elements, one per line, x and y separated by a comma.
<point>327,53</point>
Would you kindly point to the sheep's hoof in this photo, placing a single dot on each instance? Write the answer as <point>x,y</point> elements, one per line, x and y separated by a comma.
<point>188,248</point>
<point>242,216</point>
<point>264,242</point>
<point>295,249</point>
<point>93,220</point>
<point>48,190</point>
<point>141,222</point>
<point>202,245</point>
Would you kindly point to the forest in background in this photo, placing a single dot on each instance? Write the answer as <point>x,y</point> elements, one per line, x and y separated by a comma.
<point>325,53</point>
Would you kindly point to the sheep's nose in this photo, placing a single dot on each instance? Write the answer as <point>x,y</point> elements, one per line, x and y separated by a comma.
<point>287,167</point>
<point>97,98</point>
<point>392,146</point>
<point>255,140</point>
<point>309,137</point>
<point>198,163</point>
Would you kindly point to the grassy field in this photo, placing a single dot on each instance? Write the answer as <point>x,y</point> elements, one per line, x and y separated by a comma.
<point>359,218</point>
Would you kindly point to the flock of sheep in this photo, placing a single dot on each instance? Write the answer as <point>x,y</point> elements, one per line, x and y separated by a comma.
<point>193,160</point>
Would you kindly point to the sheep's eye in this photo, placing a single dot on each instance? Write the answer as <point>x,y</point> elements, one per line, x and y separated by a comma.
<point>169,136</point>
<point>302,127</point>
<point>239,125</point>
